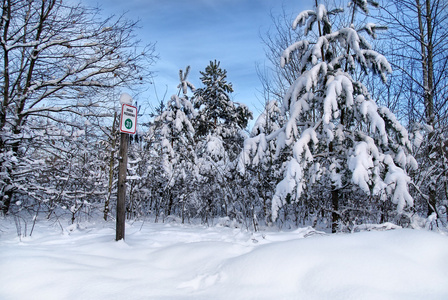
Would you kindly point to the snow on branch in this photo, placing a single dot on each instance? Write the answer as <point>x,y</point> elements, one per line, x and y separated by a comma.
<point>371,29</point>
<point>301,18</point>
<point>377,62</point>
<point>363,4</point>
<point>309,17</point>
<point>340,86</point>
<point>361,165</point>
<point>253,147</point>
<point>401,131</point>
<point>369,111</point>
<point>397,184</point>
<point>300,45</point>
<point>301,149</point>
<point>291,182</point>
<point>321,12</point>
<point>321,46</point>
<point>303,84</point>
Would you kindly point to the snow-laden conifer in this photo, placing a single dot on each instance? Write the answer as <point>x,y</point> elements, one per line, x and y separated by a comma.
<point>258,164</point>
<point>341,142</point>
<point>174,134</point>
<point>218,128</point>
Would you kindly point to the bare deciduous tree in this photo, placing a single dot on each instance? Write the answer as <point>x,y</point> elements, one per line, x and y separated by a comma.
<point>418,43</point>
<point>59,60</point>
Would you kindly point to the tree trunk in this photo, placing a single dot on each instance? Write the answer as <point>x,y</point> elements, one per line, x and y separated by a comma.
<point>427,47</point>
<point>6,199</point>
<point>335,217</point>
<point>429,98</point>
<point>170,203</point>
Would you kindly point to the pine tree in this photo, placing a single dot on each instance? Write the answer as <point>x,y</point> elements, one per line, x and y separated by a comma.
<point>258,164</point>
<point>344,148</point>
<point>175,136</point>
<point>216,110</point>
<point>219,140</point>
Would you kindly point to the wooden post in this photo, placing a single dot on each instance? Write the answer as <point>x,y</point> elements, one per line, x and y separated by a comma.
<point>128,125</point>
<point>121,201</point>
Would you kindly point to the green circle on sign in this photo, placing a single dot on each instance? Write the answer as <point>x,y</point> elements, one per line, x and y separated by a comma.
<point>128,123</point>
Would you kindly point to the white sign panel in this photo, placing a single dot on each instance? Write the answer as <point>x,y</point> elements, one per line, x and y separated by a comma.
<point>128,120</point>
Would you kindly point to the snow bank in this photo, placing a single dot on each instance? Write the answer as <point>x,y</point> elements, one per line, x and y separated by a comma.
<point>164,261</point>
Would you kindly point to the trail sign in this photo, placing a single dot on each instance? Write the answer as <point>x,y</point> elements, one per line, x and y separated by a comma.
<point>128,120</point>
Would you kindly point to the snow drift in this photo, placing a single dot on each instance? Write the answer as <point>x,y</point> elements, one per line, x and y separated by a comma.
<point>169,261</point>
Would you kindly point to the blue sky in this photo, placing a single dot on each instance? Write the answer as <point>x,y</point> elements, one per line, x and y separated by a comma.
<point>194,32</point>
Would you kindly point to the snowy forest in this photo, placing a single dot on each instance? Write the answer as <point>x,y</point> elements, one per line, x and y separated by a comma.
<point>353,131</point>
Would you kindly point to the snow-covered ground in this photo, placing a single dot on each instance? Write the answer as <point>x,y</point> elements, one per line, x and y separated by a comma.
<point>172,261</point>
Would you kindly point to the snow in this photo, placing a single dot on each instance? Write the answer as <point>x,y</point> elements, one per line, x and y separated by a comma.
<point>301,147</point>
<point>174,261</point>
<point>359,164</point>
<point>369,110</point>
<point>125,98</point>
<point>255,147</point>
<point>397,181</point>
<point>321,12</point>
<point>370,28</point>
<point>215,146</point>
<point>339,86</point>
<point>292,180</point>
<point>302,17</point>
<point>300,45</point>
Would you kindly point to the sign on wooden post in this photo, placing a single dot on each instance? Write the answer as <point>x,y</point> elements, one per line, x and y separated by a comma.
<point>128,125</point>
<point>128,120</point>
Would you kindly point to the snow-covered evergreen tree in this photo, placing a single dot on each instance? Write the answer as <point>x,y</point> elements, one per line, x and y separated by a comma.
<point>218,126</point>
<point>258,163</point>
<point>218,114</point>
<point>345,149</point>
<point>175,137</point>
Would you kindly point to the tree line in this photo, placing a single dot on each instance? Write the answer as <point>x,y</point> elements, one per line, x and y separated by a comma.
<point>352,132</point>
